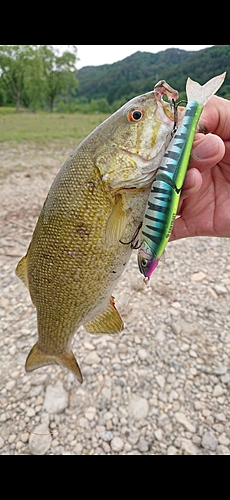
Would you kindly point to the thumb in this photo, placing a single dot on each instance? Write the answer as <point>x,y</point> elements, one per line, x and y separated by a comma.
<point>207,151</point>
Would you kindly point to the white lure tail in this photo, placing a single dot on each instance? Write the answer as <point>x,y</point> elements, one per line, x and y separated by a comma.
<point>202,93</point>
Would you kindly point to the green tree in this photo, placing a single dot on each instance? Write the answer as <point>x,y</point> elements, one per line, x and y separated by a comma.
<point>36,74</point>
<point>15,61</point>
<point>60,73</point>
<point>33,94</point>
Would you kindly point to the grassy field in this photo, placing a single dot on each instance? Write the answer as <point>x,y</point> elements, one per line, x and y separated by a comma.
<point>40,140</point>
<point>41,128</point>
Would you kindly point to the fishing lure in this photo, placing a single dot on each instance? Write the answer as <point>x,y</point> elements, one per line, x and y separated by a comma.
<point>166,189</point>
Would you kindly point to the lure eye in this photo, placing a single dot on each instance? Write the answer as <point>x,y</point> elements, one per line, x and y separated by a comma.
<point>135,115</point>
<point>144,262</point>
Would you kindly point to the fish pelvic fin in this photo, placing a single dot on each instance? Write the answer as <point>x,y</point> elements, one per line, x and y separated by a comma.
<point>116,224</point>
<point>21,270</point>
<point>202,93</point>
<point>107,322</point>
<point>36,359</point>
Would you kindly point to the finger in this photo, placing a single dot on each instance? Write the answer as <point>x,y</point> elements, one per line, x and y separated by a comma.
<point>192,183</point>
<point>180,230</point>
<point>207,151</point>
<point>226,157</point>
<point>216,117</point>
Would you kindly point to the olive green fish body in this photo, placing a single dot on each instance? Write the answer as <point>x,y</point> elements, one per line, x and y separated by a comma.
<point>96,202</point>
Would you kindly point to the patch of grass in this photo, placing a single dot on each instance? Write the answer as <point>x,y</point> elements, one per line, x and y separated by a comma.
<point>41,128</point>
<point>5,110</point>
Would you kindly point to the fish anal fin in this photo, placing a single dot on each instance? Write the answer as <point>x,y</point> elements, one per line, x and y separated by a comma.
<point>36,359</point>
<point>116,223</point>
<point>21,270</point>
<point>107,322</point>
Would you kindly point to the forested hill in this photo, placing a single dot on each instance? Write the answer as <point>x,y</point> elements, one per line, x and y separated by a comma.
<point>139,72</point>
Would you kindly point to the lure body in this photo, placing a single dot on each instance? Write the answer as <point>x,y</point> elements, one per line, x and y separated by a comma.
<point>165,193</point>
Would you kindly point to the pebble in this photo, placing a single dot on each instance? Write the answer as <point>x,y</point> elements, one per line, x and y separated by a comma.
<point>106,436</point>
<point>220,289</point>
<point>117,444</point>
<point>56,398</point>
<point>223,439</point>
<point>218,391</point>
<point>159,387</point>
<point>163,420</point>
<point>209,441</point>
<point>160,380</point>
<point>223,450</point>
<point>172,450</point>
<point>200,276</point>
<point>176,328</point>
<point>143,355</point>
<point>143,446</point>
<point>92,358</point>
<point>220,417</point>
<point>91,413</point>
<point>160,336</point>
<point>77,450</point>
<point>12,438</point>
<point>138,407</point>
<point>25,437</point>
<point>188,447</point>
<point>159,434</point>
<point>182,419</point>
<point>40,440</point>
<point>10,385</point>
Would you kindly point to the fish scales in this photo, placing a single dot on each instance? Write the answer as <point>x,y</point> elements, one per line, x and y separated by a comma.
<point>95,204</point>
<point>73,252</point>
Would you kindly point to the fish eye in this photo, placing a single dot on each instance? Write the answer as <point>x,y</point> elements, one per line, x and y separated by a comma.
<point>144,262</point>
<point>135,115</point>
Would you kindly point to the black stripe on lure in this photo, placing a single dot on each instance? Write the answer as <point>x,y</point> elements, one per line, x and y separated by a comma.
<point>162,204</point>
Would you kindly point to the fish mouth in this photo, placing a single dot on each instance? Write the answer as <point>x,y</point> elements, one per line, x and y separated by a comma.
<point>163,88</point>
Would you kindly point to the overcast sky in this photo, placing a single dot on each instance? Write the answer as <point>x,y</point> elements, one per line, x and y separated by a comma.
<point>95,55</point>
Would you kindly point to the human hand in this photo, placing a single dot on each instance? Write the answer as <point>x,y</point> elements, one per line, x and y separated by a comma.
<point>205,199</point>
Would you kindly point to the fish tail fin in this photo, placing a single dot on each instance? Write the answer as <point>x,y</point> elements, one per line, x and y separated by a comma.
<point>37,359</point>
<point>202,93</point>
<point>21,270</point>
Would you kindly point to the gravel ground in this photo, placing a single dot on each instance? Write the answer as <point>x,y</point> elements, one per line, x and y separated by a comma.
<point>161,387</point>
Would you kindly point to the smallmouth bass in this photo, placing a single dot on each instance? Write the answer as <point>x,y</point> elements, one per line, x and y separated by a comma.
<point>95,204</point>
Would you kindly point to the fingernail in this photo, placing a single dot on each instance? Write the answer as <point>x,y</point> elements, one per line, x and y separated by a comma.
<point>202,129</point>
<point>207,148</point>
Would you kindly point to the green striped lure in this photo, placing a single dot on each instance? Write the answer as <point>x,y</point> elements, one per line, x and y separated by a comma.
<point>165,192</point>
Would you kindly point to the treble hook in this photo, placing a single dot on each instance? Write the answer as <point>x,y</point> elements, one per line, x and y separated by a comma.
<point>134,247</point>
<point>175,106</point>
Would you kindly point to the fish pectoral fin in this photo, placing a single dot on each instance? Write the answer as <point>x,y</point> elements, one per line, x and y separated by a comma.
<point>36,359</point>
<point>21,270</point>
<point>116,224</point>
<point>107,322</point>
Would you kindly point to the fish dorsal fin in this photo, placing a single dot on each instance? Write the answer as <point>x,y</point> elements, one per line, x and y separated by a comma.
<point>116,224</point>
<point>107,322</point>
<point>21,270</point>
<point>36,359</point>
